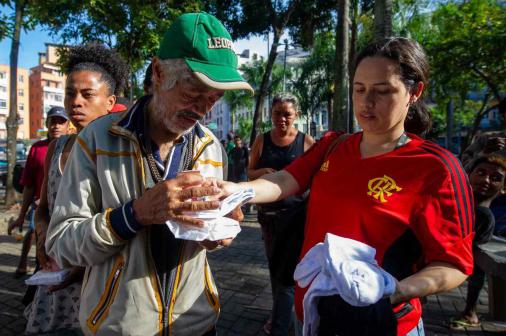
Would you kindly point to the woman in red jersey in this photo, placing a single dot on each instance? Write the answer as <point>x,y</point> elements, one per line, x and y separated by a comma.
<point>385,187</point>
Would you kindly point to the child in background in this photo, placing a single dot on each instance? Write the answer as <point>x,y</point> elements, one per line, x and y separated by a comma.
<point>487,176</point>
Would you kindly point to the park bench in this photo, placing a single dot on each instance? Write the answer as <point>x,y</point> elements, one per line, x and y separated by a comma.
<point>491,257</point>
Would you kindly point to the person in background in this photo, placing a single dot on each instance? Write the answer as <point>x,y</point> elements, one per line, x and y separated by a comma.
<point>239,156</point>
<point>122,104</point>
<point>484,144</point>
<point>127,175</point>
<point>57,123</point>
<point>282,222</point>
<point>487,176</point>
<point>385,187</point>
<point>89,94</point>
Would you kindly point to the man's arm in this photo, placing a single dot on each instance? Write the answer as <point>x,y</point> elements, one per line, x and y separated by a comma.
<point>84,233</point>
<point>78,232</point>
<point>28,197</point>
<point>28,190</point>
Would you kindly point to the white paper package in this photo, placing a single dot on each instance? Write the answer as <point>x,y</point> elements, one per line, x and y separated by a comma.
<point>48,278</point>
<point>216,225</point>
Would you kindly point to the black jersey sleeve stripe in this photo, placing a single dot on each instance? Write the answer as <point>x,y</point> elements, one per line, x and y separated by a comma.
<point>473,214</point>
<point>458,186</point>
<point>461,176</point>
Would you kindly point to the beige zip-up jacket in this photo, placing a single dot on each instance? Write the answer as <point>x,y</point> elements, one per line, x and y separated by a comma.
<point>120,292</point>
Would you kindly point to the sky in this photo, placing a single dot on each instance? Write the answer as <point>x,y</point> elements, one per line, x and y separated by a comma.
<point>34,41</point>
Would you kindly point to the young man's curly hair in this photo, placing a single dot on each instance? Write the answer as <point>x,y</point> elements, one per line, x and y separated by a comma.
<point>97,58</point>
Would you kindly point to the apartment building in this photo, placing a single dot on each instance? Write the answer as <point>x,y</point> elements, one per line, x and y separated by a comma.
<point>23,102</point>
<point>47,89</point>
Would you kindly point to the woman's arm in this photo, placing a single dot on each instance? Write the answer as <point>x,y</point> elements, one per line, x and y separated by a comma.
<point>308,142</point>
<point>256,151</point>
<point>434,278</point>
<point>268,188</point>
<point>42,212</point>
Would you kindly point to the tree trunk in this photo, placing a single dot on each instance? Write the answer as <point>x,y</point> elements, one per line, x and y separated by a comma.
<point>13,119</point>
<point>265,83</point>
<point>382,19</point>
<point>449,125</point>
<point>477,120</point>
<point>341,92</point>
<point>353,48</point>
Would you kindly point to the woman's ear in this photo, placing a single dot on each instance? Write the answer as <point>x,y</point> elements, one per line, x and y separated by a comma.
<point>416,92</point>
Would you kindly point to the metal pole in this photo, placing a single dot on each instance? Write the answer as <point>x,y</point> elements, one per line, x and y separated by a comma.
<point>284,66</point>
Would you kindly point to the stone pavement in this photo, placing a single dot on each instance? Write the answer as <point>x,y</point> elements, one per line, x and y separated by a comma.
<point>243,280</point>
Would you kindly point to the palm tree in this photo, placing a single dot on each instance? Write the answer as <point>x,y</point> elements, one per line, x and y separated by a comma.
<point>382,19</point>
<point>339,120</point>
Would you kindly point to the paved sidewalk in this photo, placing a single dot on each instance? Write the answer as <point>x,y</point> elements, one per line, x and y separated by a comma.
<point>243,280</point>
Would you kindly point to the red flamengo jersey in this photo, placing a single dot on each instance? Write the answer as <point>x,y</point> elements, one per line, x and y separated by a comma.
<point>414,205</point>
<point>33,173</point>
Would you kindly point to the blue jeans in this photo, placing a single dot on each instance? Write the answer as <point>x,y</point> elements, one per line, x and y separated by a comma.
<point>417,331</point>
<point>282,308</point>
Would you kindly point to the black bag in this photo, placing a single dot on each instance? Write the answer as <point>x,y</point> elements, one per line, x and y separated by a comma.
<point>16,178</point>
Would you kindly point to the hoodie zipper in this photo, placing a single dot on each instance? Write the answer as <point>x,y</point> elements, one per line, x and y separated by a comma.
<point>109,296</point>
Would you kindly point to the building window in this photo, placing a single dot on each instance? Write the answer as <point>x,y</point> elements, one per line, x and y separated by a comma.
<point>3,89</point>
<point>3,103</point>
<point>3,75</point>
<point>58,98</point>
<point>21,79</point>
<point>21,107</point>
<point>21,93</point>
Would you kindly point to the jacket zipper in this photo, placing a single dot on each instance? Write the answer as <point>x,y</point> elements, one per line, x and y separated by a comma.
<point>101,311</point>
<point>166,288</point>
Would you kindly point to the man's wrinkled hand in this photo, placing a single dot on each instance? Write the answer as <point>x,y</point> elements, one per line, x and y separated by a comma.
<point>171,199</point>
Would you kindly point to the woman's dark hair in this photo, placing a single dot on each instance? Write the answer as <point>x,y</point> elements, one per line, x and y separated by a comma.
<point>97,58</point>
<point>413,68</point>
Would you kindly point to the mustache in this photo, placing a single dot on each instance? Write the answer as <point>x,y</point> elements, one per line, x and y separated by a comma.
<point>190,114</point>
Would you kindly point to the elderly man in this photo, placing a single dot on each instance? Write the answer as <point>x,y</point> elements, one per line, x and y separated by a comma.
<point>123,182</point>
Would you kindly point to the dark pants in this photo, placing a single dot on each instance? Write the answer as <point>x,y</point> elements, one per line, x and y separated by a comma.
<point>283,234</point>
<point>211,333</point>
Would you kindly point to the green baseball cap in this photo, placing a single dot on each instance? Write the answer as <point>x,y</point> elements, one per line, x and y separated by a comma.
<point>206,46</point>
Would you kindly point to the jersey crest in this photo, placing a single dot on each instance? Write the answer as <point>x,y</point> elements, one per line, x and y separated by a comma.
<point>382,187</point>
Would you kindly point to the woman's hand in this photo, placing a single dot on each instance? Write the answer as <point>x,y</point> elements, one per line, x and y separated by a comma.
<point>213,245</point>
<point>227,188</point>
